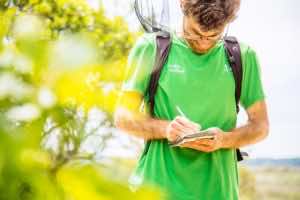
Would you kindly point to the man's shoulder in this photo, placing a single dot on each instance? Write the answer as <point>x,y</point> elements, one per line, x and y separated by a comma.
<point>246,49</point>
<point>249,56</point>
<point>144,46</point>
<point>146,40</point>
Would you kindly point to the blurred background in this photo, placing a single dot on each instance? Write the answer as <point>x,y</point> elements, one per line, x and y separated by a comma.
<point>62,63</point>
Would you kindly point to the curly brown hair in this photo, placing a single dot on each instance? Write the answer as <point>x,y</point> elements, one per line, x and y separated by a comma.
<point>211,14</point>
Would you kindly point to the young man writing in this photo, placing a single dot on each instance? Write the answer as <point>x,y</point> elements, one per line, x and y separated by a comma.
<point>197,79</point>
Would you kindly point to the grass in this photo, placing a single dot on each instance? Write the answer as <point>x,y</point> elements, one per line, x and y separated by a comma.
<point>277,183</point>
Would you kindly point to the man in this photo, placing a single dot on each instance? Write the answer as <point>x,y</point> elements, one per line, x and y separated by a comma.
<point>196,80</point>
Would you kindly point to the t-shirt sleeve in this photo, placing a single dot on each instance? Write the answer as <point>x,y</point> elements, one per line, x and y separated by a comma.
<point>252,88</point>
<point>139,65</point>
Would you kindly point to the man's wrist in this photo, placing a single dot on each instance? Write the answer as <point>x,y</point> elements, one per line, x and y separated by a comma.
<point>161,132</point>
<point>165,125</point>
<point>227,140</point>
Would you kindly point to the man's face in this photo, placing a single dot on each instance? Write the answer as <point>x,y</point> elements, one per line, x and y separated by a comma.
<point>200,41</point>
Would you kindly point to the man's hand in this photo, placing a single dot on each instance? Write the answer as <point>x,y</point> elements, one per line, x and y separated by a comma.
<point>180,126</point>
<point>254,131</point>
<point>208,145</point>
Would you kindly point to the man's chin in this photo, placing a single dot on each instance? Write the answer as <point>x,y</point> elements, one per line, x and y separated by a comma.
<point>201,51</point>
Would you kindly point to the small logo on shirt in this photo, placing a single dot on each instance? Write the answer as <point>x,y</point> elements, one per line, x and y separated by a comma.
<point>176,68</point>
<point>227,68</point>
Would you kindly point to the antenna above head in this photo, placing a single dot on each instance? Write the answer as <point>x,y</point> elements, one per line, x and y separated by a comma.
<point>153,16</point>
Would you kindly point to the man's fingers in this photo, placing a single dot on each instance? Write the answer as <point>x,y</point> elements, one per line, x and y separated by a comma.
<point>175,130</point>
<point>180,127</point>
<point>187,123</point>
<point>207,142</point>
<point>203,148</point>
<point>184,122</point>
<point>194,144</point>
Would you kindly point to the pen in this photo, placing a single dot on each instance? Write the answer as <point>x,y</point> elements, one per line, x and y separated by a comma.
<point>183,115</point>
<point>180,112</point>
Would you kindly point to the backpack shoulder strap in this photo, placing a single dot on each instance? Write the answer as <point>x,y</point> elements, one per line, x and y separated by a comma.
<point>163,44</point>
<point>233,52</point>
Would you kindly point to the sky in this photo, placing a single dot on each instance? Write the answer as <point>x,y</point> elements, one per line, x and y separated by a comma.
<point>271,28</point>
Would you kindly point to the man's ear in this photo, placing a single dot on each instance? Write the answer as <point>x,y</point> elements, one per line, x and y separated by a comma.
<point>232,19</point>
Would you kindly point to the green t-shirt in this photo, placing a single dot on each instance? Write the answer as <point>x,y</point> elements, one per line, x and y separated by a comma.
<point>203,87</point>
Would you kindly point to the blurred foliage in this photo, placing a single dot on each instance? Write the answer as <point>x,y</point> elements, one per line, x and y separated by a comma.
<point>61,65</point>
<point>269,182</point>
<point>88,53</point>
<point>23,166</point>
<point>277,182</point>
<point>247,184</point>
<point>85,182</point>
<point>111,35</point>
<point>26,175</point>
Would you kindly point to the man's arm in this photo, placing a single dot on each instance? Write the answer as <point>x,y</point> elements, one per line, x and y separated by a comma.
<point>141,126</point>
<point>130,119</point>
<point>254,131</point>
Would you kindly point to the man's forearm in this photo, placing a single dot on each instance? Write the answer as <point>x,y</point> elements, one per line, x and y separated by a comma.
<point>141,126</point>
<point>248,134</point>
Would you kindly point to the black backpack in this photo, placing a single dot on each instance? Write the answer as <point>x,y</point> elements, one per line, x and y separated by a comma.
<point>233,52</point>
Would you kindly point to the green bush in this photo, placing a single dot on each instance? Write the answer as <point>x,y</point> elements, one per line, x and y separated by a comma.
<point>247,184</point>
<point>58,63</point>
